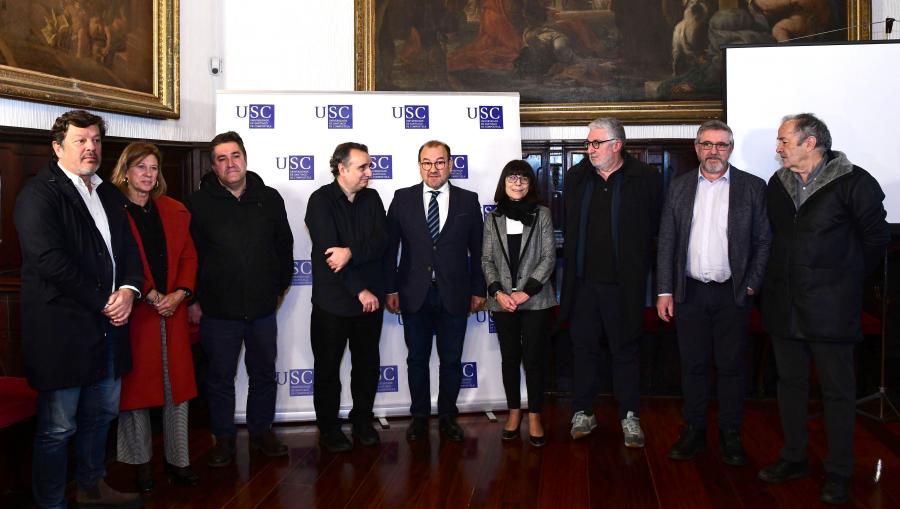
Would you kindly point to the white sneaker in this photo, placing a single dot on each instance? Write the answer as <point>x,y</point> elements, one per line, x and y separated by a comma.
<point>631,428</point>
<point>582,424</point>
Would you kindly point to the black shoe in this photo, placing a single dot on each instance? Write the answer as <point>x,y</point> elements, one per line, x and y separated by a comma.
<point>507,435</point>
<point>451,430</point>
<point>335,441</point>
<point>730,448</point>
<point>691,442</point>
<point>144,477</point>
<point>782,471</point>
<point>836,489</point>
<point>182,475</point>
<point>268,444</point>
<point>540,441</point>
<point>366,434</point>
<point>418,429</point>
<point>223,453</point>
<point>104,496</point>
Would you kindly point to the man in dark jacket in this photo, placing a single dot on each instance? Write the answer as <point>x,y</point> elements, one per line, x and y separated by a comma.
<point>348,229</point>
<point>612,215</point>
<point>829,230</point>
<point>245,250</point>
<point>80,275</point>
<point>713,245</point>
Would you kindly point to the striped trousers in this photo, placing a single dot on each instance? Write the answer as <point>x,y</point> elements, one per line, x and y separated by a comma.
<point>135,439</point>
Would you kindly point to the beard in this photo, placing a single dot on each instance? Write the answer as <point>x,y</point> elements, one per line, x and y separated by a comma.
<point>714,165</point>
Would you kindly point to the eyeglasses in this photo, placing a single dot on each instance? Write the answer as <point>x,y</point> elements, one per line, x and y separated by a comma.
<point>439,164</point>
<point>596,143</point>
<point>708,145</point>
<point>517,179</point>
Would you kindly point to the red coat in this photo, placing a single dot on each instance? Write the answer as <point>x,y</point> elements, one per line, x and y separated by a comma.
<point>142,387</point>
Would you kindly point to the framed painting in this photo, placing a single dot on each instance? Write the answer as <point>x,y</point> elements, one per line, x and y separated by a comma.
<point>643,61</point>
<point>113,55</point>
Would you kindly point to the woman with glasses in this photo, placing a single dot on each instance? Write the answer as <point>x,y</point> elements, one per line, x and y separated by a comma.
<point>163,368</point>
<point>518,257</point>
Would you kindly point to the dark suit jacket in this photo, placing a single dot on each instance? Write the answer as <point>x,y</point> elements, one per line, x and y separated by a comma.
<point>67,278</point>
<point>636,226</point>
<point>748,234</point>
<point>455,258</point>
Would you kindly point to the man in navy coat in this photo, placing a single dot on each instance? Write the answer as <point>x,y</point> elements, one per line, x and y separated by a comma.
<point>437,284</point>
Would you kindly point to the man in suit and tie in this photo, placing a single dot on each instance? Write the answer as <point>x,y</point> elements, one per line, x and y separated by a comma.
<point>437,284</point>
<point>713,246</point>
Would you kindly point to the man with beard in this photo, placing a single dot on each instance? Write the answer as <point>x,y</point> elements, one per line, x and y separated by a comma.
<point>828,232</point>
<point>713,245</point>
<point>612,214</point>
<point>347,226</point>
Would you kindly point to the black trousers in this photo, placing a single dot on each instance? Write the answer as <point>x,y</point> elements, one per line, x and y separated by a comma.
<point>834,365</point>
<point>711,326</point>
<point>596,314</point>
<point>523,338</point>
<point>329,335</point>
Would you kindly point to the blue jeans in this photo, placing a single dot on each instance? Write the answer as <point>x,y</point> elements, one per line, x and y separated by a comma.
<point>222,340</point>
<point>418,329</point>
<point>85,412</point>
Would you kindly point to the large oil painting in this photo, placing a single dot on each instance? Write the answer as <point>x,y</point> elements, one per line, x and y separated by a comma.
<point>115,55</point>
<point>649,61</point>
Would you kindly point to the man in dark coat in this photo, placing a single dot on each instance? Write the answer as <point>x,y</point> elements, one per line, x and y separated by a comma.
<point>245,250</point>
<point>612,215</point>
<point>829,230</point>
<point>713,245</point>
<point>80,275</point>
<point>437,283</point>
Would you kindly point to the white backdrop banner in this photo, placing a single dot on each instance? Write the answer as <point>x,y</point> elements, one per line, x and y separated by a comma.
<point>289,139</point>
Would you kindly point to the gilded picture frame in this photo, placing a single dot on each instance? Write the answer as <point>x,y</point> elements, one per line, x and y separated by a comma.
<point>414,32</point>
<point>113,55</point>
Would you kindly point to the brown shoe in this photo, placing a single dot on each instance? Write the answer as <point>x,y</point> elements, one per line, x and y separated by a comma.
<point>268,444</point>
<point>103,496</point>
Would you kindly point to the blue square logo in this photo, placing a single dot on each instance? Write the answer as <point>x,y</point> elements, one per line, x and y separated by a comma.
<point>491,327</point>
<point>487,209</point>
<point>387,379</point>
<point>469,375</point>
<point>301,167</point>
<point>460,167</point>
<point>301,382</point>
<point>490,117</point>
<point>415,116</point>
<point>302,273</point>
<point>382,167</point>
<point>340,116</point>
<point>261,116</point>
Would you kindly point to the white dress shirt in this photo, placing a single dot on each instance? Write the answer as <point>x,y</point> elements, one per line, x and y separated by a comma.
<point>707,258</point>
<point>443,201</point>
<point>98,213</point>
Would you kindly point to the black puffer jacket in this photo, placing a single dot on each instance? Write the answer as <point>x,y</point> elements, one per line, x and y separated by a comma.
<point>245,248</point>
<point>822,251</point>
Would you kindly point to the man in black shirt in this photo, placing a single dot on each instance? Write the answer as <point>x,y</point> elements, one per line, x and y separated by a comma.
<point>612,215</point>
<point>346,222</point>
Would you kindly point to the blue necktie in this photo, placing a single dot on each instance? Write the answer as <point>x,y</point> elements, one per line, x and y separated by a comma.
<point>433,219</point>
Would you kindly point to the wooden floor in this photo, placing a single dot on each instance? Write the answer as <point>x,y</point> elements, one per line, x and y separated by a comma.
<point>597,471</point>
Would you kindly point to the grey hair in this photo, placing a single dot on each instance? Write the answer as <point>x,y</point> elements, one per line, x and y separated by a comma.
<point>611,125</point>
<point>811,125</point>
<point>715,125</point>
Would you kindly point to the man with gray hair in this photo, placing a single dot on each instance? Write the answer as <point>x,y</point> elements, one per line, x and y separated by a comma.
<point>612,215</point>
<point>828,231</point>
<point>713,245</point>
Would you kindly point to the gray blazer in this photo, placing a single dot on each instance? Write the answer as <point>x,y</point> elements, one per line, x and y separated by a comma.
<point>749,235</point>
<point>536,260</point>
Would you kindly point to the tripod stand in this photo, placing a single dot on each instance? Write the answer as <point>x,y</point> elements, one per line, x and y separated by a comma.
<point>884,402</point>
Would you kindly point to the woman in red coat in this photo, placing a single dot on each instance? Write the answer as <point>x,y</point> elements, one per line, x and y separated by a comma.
<point>163,368</point>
